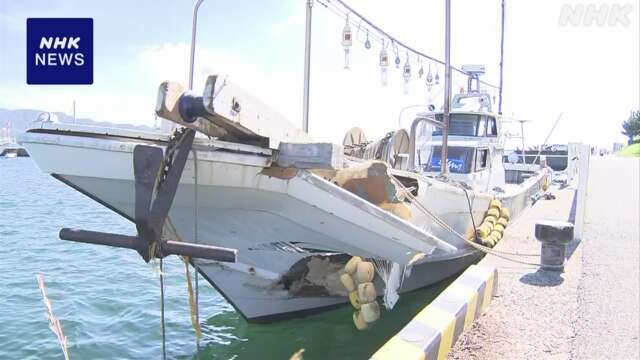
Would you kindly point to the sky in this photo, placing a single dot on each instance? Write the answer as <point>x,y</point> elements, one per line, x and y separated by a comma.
<point>587,74</point>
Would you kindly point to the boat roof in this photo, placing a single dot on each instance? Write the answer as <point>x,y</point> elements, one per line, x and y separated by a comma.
<point>465,112</point>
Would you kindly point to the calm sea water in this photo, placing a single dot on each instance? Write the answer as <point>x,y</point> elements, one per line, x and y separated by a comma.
<point>108,299</point>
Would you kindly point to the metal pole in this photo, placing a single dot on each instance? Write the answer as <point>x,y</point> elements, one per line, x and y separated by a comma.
<point>444,165</point>
<point>195,162</point>
<point>193,41</point>
<point>197,310</point>
<point>307,69</point>
<point>74,111</point>
<point>524,155</point>
<point>501,60</point>
<point>196,205</point>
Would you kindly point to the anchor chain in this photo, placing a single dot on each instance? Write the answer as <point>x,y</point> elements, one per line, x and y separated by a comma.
<point>174,142</point>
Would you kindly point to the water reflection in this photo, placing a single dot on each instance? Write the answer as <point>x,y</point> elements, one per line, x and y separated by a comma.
<point>330,335</point>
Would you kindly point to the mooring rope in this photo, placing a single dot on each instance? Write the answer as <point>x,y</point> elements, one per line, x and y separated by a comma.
<point>54,322</point>
<point>164,352</point>
<point>446,226</point>
<point>192,306</point>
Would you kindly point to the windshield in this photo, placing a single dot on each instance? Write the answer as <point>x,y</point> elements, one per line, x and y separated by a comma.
<point>468,125</point>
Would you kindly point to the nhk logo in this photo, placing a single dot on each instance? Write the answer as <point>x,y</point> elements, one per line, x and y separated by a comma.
<point>56,58</point>
<point>59,51</point>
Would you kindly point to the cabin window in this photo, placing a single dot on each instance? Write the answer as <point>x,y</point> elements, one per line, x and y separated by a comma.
<point>468,125</point>
<point>458,158</point>
<point>482,126</point>
<point>482,159</point>
<point>492,129</point>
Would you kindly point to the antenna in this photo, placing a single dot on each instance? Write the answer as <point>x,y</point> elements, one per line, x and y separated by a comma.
<point>444,165</point>
<point>307,69</point>
<point>501,60</point>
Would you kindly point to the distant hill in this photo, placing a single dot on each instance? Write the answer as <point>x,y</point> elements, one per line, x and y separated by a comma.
<point>23,119</point>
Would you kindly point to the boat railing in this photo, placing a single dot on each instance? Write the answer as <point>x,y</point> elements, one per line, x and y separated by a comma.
<point>412,137</point>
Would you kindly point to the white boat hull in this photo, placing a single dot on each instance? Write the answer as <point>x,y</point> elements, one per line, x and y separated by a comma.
<point>278,225</point>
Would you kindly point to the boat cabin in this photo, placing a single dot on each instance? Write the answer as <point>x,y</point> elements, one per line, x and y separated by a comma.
<point>474,153</point>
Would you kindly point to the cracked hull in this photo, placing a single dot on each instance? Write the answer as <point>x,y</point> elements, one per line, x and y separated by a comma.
<point>274,223</point>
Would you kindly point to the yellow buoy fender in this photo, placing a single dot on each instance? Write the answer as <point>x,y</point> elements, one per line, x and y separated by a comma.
<point>358,320</point>
<point>493,212</point>
<point>364,272</point>
<point>352,264</point>
<point>370,312</point>
<point>502,221</point>
<point>353,298</point>
<point>366,292</point>
<point>491,220</point>
<point>496,234</point>
<point>504,213</point>
<point>492,241</point>
<point>347,282</point>
<point>545,184</point>
<point>499,228</point>
<point>489,241</point>
<point>495,203</point>
<point>487,229</point>
<point>483,230</point>
<point>486,241</point>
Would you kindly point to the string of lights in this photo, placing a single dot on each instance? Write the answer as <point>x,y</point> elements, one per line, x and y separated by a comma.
<point>373,33</point>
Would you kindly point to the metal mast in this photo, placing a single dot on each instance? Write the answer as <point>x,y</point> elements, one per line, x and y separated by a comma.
<point>307,68</point>
<point>444,165</point>
<point>501,61</point>
<point>524,155</point>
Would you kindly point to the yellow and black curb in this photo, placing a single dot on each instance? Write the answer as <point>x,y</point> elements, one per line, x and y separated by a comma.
<point>433,331</point>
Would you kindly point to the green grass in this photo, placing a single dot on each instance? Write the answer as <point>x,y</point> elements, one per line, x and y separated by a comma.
<point>631,151</point>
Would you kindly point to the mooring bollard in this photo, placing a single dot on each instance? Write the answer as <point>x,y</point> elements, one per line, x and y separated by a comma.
<point>554,236</point>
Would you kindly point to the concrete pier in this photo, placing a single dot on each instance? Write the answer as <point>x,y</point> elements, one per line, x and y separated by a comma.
<point>589,311</point>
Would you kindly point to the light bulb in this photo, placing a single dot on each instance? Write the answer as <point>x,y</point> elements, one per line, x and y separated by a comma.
<point>395,50</point>
<point>346,58</point>
<point>384,58</point>
<point>406,71</point>
<point>347,40</point>
<point>429,79</point>
<point>384,64</point>
<point>367,43</point>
